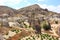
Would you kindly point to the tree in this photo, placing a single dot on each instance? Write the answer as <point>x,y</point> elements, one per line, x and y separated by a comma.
<point>46,9</point>
<point>37,26</point>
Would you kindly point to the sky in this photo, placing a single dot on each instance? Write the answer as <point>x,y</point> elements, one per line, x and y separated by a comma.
<point>52,5</point>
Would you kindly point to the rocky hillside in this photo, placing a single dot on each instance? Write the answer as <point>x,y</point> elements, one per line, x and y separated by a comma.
<point>27,11</point>
<point>7,11</point>
<point>35,9</point>
<point>31,12</point>
<point>36,12</point>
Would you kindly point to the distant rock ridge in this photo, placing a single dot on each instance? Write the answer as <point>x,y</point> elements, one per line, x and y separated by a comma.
<point>27,11</point>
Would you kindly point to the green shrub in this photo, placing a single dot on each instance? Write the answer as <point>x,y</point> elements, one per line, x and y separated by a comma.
<point>46,25</point>
<point>56,22</point>
<point>14,30</point>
